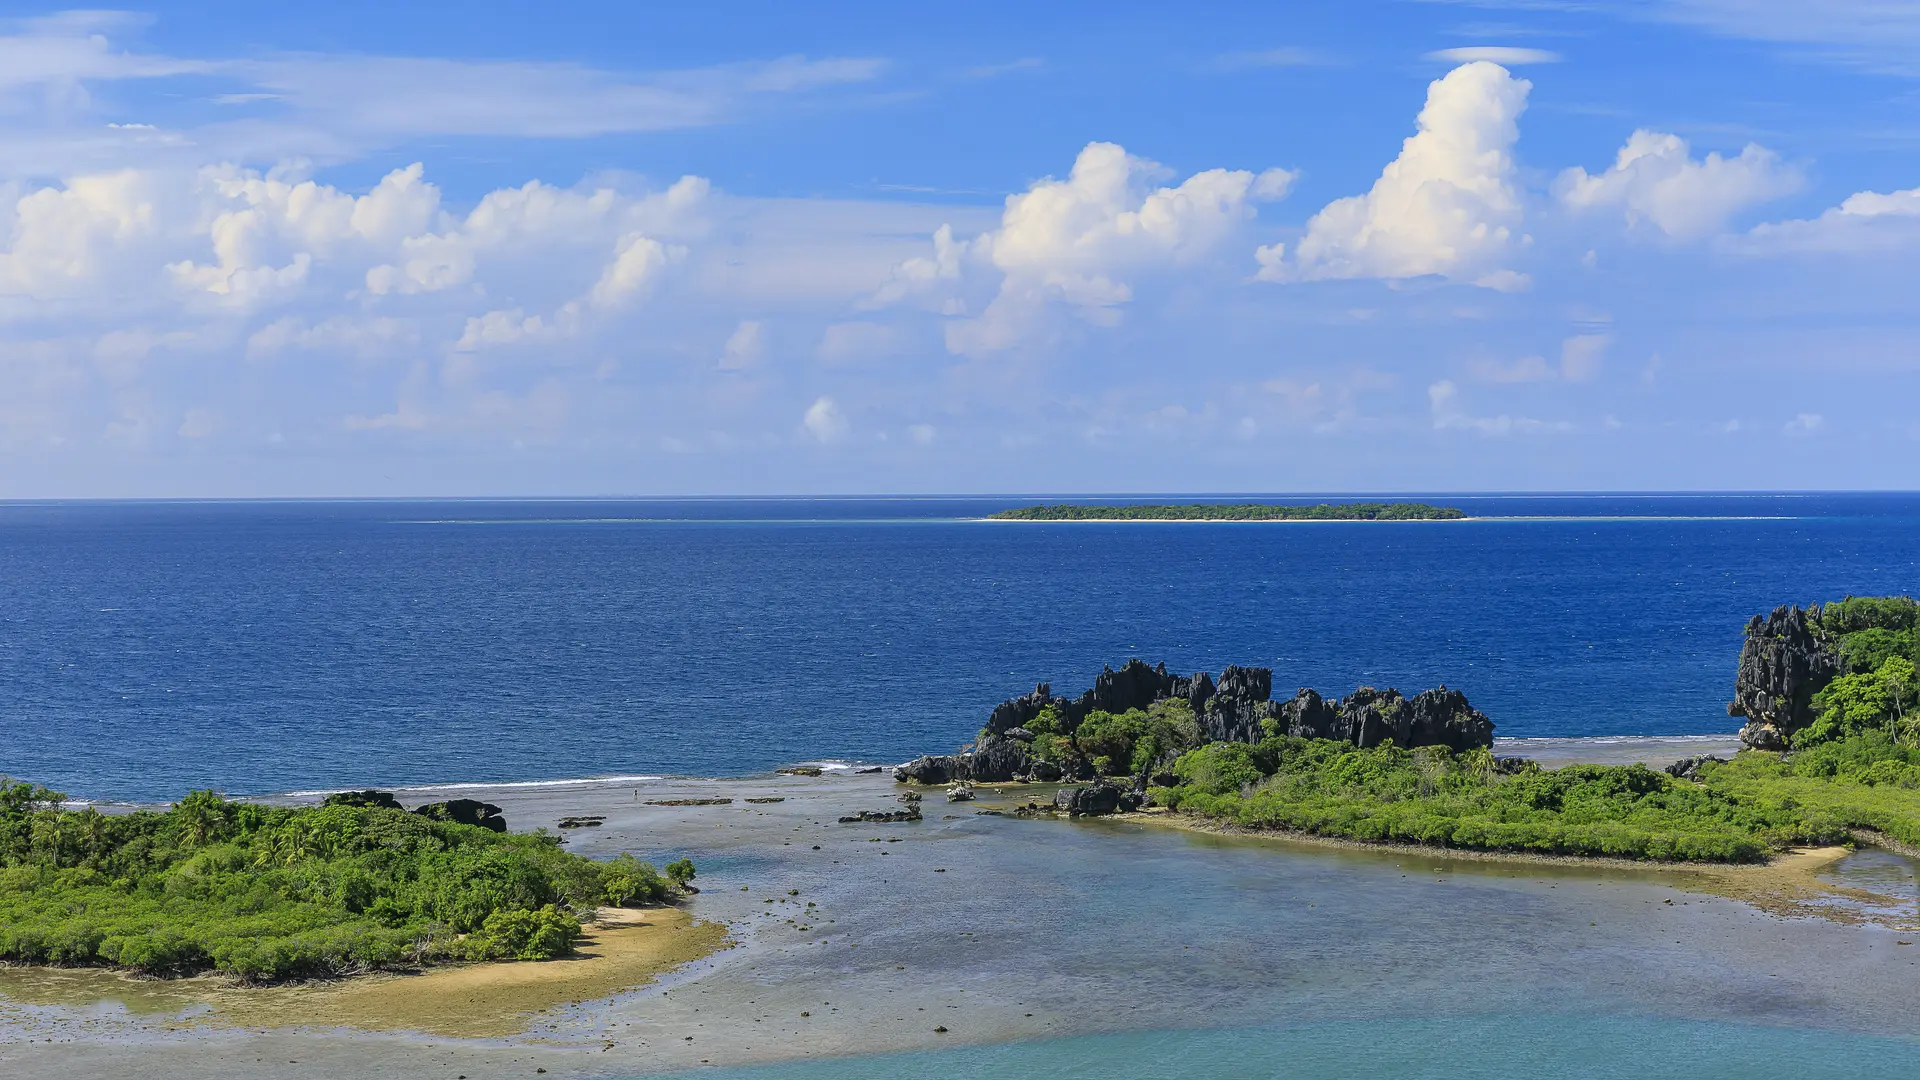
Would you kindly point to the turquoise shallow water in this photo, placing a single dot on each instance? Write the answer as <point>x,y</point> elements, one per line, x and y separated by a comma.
<point>1056,949</point>
<point>1469,1048</point>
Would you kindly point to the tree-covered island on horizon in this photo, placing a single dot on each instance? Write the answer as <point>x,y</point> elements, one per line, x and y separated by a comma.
<point>1366,511</point>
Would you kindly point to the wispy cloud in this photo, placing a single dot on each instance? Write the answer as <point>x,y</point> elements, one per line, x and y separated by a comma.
<point>1282,57</point>
<point>1876,35</point>
<point>1011,67</point>
<point>1505,55</point>
<point>333,105</point>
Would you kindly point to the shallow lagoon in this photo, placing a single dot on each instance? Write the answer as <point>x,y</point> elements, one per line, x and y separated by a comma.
<point>1119,949</point>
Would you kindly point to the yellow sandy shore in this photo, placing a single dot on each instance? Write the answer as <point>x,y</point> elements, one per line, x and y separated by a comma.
<point>627,949</point>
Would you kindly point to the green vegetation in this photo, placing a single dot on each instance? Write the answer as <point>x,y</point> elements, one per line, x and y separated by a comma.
<point>1116,744</point>
<point>1234,512</point>
<point>266,893</point>
<point>1468,800</point>
<point>1877,642</point>
<point>1855,767</point>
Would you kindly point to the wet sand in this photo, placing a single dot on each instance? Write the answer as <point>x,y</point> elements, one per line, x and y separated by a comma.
<point>870,938</point>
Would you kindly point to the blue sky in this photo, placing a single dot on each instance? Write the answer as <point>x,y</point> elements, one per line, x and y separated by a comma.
<point>725,248</point>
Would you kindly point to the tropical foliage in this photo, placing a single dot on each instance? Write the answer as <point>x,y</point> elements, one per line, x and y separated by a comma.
<point>1116,744</point>
<point>1469,800</point>
<point>265,892</point>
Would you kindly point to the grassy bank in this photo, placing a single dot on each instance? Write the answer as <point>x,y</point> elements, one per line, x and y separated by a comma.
<point>265,893</point>
<point>1739,811</point>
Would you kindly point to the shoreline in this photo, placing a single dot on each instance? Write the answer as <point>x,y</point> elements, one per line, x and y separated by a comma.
<point>1559,749</point>
<point>1787,883</point>
<point>623,951</point>
<point>854,939</point>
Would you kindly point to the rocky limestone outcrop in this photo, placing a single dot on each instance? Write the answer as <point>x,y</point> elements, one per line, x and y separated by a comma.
<point>1784,662</point>
<point>1099,797</point>
<point>460,811</point>
<point>994,760</point>
<point>465,812</point>
<point>382,800</point>
<point>1237,707</point>
<point>1689,768</point>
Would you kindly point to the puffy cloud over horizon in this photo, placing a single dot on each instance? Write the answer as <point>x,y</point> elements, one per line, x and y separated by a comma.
<point>1446,206</point>
<point>190,299</point>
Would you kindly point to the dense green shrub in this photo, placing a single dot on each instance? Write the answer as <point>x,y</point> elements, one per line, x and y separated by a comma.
<point>1133,742</point>
<point>630,882</point>
<point>1857,613</point>
<point>1882,700</point>
<point>527,934</point>
<point>1864,650</point>
<point>277,892</point>
<point>1463,800</point>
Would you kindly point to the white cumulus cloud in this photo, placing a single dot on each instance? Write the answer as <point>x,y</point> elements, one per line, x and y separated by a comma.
<point>1655,179</point>
<point>1863,222</point>
<point>1083,242</point>
<point>1447,205</point>
<point>824,420</point>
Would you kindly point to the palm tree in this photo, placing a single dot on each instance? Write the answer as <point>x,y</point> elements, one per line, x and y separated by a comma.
<point>93,832</point>
<point>201,816</point>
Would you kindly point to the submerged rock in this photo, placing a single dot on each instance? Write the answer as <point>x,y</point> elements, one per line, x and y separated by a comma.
<point>911,813</point>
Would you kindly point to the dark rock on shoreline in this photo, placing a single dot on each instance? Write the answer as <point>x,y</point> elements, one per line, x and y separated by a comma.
<point>1689,768</point>
<point>995,760</point>
<point>382,800</point>
<point>465,812</point>
<point>1784,662</point>
<point>1100,797</point>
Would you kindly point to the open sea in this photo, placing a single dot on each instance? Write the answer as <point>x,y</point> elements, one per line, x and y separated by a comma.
<point>147,648</point>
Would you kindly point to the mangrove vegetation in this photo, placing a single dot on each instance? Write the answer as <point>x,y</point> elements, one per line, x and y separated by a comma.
<point>268,893</point>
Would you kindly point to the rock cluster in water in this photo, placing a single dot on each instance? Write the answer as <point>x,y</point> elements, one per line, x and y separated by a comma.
<point>1784,662</point>
<point>1238,707</point>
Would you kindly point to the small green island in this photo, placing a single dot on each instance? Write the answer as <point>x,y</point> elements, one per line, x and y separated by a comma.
<point>266,893</point>
<point>1832,756</point>
<point>1370,511</point>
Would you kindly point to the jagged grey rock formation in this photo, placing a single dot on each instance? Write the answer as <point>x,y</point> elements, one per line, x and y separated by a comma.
<point>1099,797</point>
<point>1238,707</point>
<point>1784,662</point>
<point>466,812</point>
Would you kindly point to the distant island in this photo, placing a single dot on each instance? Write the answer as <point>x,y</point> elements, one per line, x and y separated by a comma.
<point>1234,512</point>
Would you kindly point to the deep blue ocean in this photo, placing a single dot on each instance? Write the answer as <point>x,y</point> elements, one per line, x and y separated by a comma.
<point>256,647</point>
